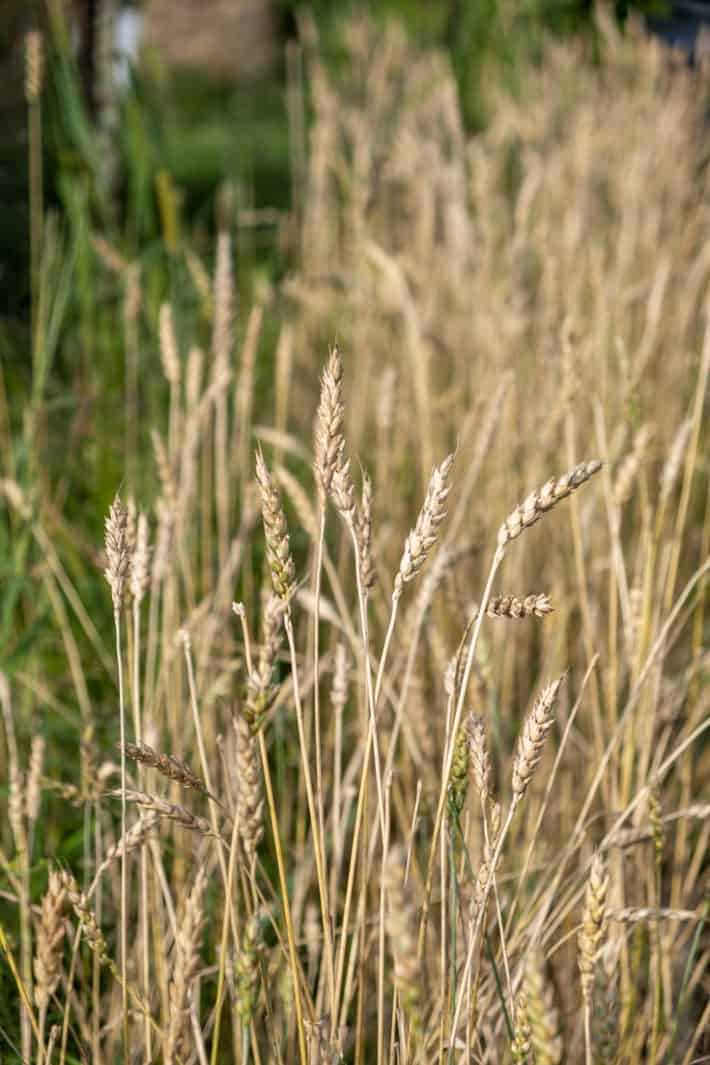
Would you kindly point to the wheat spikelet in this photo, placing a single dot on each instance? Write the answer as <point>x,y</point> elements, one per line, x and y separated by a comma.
<point>513,606</point>
<point>50,935</point>
<point>479,757</point>
<point>260,688</point>
<point>170,811</point>
<point>532,739</point>
<point>544,499</point>
<point>278,550</point>
<point>86,917</point>
<point>34,64</point>
<point>605,1016</point>
<point>168,345</point>
<point>423,536</point>
<point>342,492</point>
<point>166,764</point>
<point>116,552</point>
<point>131,519</point>
<point>246,971</point>
<point>185,968</point>
<point>521,1044</point>
<point>140,560</point>
<point>363,535</point>
<point>250,800</point>
<point>401,929</point>
<point>223,294</point>
<point>135,837</point>
<point>33,795</point>
<point>542,1013</point>
<point>329,441</point>
<point>593,924</point>
<point>629,468</point>
<point>458,774</point>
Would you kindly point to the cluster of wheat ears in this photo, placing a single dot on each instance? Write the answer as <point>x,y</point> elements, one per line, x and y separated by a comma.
<point>435,788</point>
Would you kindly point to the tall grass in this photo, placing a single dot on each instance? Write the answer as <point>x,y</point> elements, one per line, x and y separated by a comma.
<point>416,761</point>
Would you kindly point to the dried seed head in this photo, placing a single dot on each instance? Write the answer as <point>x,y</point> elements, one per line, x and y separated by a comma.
<point>363,535</point>
<point>116,552</point>
<point>34,779</point>
<point>185,969</point>
<point>170,811</point>
<point>34,65</point>
<point>140,560</point>
<point>341,669</point>
<point>342,492</point>
<point>250,799</point>
<point>278,549</point>
<point>50,935</point>
<point>401,928</point>
<point>479,757</point>
<point>134,838</point>
<point>260,687</point>
<point>511,606</point>
<point>593,924</point>
<point>166,764</point>
<point>168,345</point>
<point>631,464</point>
<point>86,916</point>
<point>329,441</point>
<point>246,971</point>
<point>532,739</point>
<point>521,1045</point>
<point>423,536</point>
<point>458,775</point>
<point>222,302</point>
<point>544,499</point>
<point>543,1014</point>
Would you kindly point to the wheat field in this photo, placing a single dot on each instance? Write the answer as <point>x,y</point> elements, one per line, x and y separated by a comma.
<point>389,733</point>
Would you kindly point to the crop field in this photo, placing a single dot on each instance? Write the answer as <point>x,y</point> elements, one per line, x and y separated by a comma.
<point>353,612</point>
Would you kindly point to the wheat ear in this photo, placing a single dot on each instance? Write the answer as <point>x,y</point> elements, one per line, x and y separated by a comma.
<point>543,499</point>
